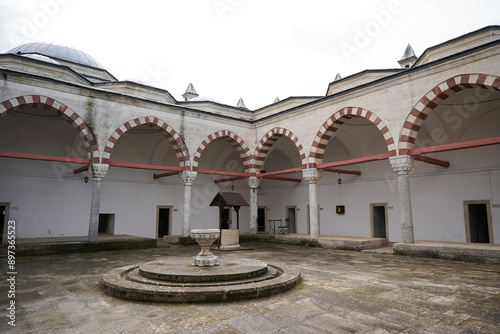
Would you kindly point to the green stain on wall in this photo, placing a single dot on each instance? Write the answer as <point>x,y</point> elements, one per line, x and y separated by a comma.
<point>90,119</point>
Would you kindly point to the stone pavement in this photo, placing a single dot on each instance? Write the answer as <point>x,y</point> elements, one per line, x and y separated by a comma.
<point>341,292</point>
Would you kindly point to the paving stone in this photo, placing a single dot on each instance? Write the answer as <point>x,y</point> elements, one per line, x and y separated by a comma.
<point>298,329</point>
<point>419,321</point>
<point>329,323</point>
<point>251,324</point>
<point>441,328</point>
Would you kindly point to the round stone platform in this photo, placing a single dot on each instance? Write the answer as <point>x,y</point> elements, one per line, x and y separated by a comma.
<point>174,280</point>
<point>179,270</point>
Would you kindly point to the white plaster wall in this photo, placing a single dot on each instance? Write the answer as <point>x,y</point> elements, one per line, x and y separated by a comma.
<point>437,201</point>
<point>495,200</point>
<point>357,197</point>
<point>135,206</point>
<point>41,207</point>
<point>280,197</point>
<point>204,190</point>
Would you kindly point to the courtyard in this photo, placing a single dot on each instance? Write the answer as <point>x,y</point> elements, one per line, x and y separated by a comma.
<point>340,292</point>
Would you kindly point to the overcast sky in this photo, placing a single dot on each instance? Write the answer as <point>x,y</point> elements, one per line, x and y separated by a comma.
<point>254,49</point>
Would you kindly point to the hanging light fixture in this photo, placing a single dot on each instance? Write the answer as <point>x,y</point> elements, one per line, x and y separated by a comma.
<point>232,185</point>
<point>339,180</point>
<point>86,177</point>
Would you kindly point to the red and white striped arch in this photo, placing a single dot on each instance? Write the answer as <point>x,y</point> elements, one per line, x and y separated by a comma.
<point>60,109</point>
<point>265,144</point>
<point>328,129</point>
<point>166,130</point>
<point>432,99</point>
<point>232,139</point>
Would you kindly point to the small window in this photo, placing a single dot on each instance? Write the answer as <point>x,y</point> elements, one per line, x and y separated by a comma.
<point>106,223</point>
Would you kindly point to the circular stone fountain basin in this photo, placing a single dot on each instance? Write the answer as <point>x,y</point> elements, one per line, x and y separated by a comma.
<point>176,281</point>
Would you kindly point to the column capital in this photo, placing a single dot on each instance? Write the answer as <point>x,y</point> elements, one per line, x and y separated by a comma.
<point>188,177</point>
<point>98,171</point>
<point>253,182</point>
<point>402,164</point>
<point>311,175</point>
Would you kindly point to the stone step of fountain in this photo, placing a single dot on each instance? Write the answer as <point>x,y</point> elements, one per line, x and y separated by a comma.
<point>179,270</point>
<point>270,273</point>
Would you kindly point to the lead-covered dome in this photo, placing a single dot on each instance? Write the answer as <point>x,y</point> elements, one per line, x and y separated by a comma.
<point>57,52</point>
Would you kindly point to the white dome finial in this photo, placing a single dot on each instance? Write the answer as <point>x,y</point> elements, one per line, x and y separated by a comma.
<point>190,93</point>
<point>408,58</point>
<point>241,104</point>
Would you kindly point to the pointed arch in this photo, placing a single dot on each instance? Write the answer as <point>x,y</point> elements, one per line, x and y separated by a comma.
<point>166,130</point>
<point>333,123</point>
<point>233,139</point>
<point>265,144</point>
<point>60,109</point>
<point>431,100</point>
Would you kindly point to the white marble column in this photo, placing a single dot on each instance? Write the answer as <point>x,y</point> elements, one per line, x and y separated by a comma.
<point>188,178</point>
<point>312,175</point>
<point>97,172</point>
<point>403,165</point>
<point>253,182</point>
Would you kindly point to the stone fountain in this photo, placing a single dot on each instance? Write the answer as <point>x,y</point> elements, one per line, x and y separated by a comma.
<point>205,238</point>
<point>206,279</point>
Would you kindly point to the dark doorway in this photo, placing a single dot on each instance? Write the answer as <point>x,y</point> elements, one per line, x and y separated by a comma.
<point>478,223</point>
<point>291,214</point>
<point>261,220</point>
<point>163,222</point>
<point>379,220</point>
<point>226,218</point>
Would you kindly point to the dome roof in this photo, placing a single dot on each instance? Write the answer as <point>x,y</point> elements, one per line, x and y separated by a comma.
<point>57,51</point>
<point>202,99</point>
<point>40,57</point>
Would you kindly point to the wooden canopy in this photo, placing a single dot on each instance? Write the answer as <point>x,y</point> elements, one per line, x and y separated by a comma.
<point>228,199</point>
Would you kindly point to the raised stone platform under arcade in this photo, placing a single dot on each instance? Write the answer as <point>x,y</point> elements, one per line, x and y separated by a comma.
<point>457,251</point>
<point>331,241</point>
<point>80,244</point>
